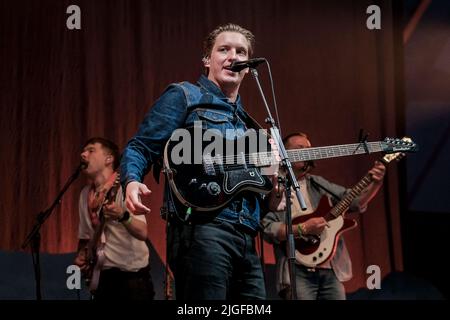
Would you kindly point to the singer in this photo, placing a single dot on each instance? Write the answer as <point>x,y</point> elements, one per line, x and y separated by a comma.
<point>325,281</point>
<point>112,253</point>
<point>212,255</point>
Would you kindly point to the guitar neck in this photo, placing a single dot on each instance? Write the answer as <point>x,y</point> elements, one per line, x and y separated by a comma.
<point>308,154</point>
<point>317,153</point>
<point>345,202</point>
<point>93,242</point>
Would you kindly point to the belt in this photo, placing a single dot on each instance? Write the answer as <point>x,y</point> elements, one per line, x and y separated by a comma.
<point>129,274</point>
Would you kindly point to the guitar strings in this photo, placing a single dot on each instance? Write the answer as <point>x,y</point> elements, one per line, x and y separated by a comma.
<point>294,155</point>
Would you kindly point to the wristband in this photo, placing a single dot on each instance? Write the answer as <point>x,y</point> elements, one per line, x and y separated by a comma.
<point>126,216</point>
<point>128,222</point>
<point>299,230</point>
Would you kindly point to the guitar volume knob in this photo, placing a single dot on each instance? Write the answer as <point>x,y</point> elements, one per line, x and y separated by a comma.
<point>213,188</point>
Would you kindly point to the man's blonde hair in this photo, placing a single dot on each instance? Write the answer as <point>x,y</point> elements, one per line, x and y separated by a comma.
<point>209,41</point>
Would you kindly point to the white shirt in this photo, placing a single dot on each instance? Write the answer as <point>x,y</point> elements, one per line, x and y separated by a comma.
<point>122,250</point>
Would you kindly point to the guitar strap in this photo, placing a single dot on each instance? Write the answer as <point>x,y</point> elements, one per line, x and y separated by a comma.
<point>96,199</point>
<point>318,186</point>
<point>250,122</point>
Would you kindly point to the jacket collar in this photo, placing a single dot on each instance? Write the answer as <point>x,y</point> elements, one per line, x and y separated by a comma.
<point>211,87</point>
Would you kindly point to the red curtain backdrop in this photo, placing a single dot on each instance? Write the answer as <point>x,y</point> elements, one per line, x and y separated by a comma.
<point>59,87</point>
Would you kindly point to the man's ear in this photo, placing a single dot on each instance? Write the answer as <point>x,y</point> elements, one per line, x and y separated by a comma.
<point>206,62</point>
<point>109,159</point>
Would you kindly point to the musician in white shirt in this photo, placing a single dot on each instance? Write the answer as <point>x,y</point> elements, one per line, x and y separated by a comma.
<point>125,271</point>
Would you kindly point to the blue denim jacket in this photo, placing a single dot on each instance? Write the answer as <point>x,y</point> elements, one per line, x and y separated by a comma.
<point>178,107</point>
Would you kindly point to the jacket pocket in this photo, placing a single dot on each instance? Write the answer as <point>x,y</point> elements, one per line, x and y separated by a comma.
<point>211,119</point>
<point>214,116</point>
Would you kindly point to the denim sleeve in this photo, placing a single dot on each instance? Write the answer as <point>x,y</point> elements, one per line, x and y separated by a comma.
<point>146,147</point>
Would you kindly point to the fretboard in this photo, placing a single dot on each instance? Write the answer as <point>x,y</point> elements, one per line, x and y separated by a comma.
<point>345,202</point>
<point>307,154</point>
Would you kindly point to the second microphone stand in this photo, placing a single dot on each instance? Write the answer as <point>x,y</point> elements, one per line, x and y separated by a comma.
<point>34,237</point>
<point>290,181</point>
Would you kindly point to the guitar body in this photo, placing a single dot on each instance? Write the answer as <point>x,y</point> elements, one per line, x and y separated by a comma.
<point>210,185</point>
<point>95,257</point>
<point>97,268</point>
<point>314,250</point>
<point>95,249</point>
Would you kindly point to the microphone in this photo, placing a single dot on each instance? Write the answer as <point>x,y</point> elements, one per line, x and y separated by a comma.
<point>83,165</point>
<point>237,66</point>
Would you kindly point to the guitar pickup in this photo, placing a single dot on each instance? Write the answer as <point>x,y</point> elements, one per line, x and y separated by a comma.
<point>219,162</point>
<point>208,165</point>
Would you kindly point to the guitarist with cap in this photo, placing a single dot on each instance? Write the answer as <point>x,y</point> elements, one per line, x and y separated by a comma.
<point>112,252</point>
<point>322,282</point>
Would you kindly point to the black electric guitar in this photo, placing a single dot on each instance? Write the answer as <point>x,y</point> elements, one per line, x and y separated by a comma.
<point>203,179</point>
<point>313,250</point>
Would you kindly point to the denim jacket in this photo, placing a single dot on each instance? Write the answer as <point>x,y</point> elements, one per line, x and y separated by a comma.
<point>178,107</point>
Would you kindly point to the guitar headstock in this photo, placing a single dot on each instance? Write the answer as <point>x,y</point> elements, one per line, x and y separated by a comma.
<point>395,145</point>
<point>396,156</point>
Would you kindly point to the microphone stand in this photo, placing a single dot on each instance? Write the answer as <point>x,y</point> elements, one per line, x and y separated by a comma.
<point>290,181</point>
<point>34,237</point>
